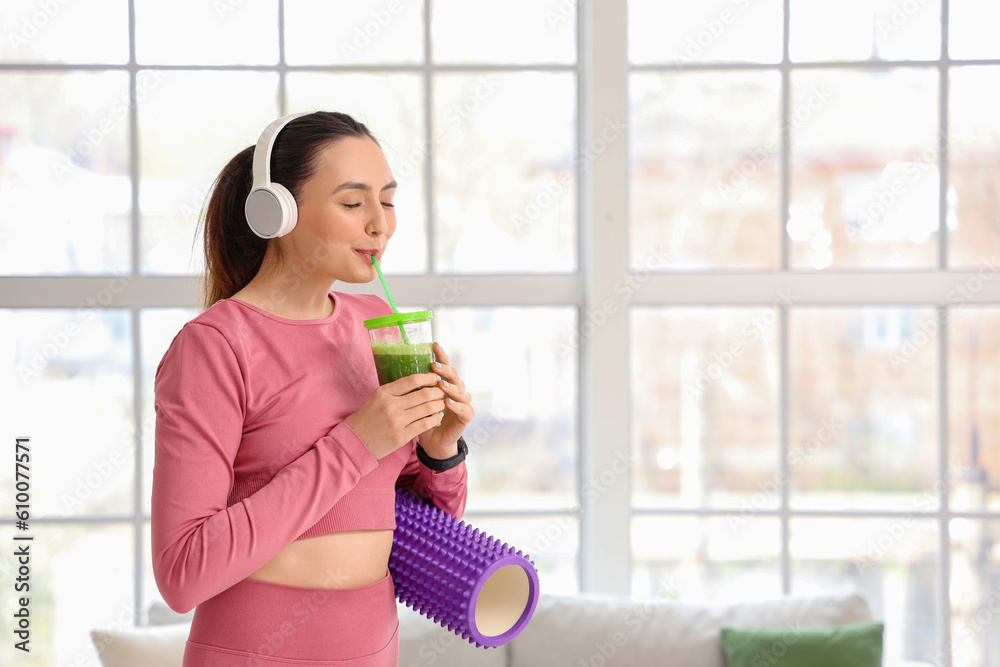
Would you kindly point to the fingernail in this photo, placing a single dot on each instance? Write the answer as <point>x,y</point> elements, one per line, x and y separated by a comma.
<point>438,364</point>
<point>441,414</point>
<point>446,383</point>
<point>438,377</point>
<point>451,401</point>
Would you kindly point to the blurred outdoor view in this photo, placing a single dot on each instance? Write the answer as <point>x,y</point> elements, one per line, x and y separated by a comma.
<point>488,164</point>
<point>862,404</point>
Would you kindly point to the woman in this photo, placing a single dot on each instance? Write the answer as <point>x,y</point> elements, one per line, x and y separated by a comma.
<point>277,453</point>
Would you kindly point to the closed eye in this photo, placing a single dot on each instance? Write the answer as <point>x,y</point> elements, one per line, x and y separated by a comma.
<point>390,205</point>
<point>352,205</point>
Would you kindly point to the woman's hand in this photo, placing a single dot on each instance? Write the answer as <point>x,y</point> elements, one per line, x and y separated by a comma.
<point>442,442</point>
<point>396,412</point>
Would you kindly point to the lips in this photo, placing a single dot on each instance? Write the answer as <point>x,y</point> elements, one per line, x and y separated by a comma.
<point>368,252</point>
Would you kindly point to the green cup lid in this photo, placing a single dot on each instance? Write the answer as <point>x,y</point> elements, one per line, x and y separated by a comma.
<point>398,318</point>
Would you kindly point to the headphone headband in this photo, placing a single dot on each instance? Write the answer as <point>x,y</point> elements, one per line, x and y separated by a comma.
<point>262,152</point>
<point>270,208</point>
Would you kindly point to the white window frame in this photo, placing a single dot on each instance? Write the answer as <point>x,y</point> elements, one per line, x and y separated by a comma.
<point>604,412</point>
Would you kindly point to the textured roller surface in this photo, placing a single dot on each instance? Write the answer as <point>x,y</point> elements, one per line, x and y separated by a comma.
<point>439,565</point>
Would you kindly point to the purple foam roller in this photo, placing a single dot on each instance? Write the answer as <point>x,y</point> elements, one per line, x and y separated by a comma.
<point>459,577</point>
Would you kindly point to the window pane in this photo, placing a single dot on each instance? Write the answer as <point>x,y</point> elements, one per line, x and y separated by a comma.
<point>975,592</point>
<point>552,543</point>
<point>864,184</point>
<point>705,161</point>
<point>505,172</point>
<point>193,32</point>
<point>64,32</point>
<point>712,31</point>
<point>158,327</point>
<point>865,30</point>
<point>517,31</point>
<point>68,386</point>
<point>524,434</point>
<point>319,32</point>
<point>705,559</point>
<point>81,580</point>
<point>705,407</point>
<point>893,563</point>
<point>65,193</point>
<point>973,168</point>
<point>392,107</point>
<point>972,29</point>
<point>863,408</point>
<point>973,412</point>
<point>184,147</point>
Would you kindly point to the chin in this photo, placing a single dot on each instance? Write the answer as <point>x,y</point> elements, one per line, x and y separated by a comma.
<point>359,279</point>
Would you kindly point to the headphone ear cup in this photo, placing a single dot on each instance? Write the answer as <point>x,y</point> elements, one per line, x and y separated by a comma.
<point>289,209</point>
<point>271,211</point>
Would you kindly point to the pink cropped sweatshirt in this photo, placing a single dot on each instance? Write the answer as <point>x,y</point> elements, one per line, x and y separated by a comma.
<point>252,451</point>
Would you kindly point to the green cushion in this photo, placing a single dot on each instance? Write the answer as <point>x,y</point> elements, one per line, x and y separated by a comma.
<point>855,645</point>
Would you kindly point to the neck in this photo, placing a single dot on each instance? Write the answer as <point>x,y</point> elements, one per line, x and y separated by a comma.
<point>290,291</point>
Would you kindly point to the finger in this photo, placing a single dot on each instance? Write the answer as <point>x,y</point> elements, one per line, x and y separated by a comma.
<point>458,393</point>
<point>435,407</point>
<point>456,405</point>
<point>440,354</point>
<point>433,411</point>
<point>405,385</point>
<point>463,411</point>
<point>421,402</point>
<point>419,426</point>
<point>449,376</point>
<point>423,396</point>
<point>455,392</point>
<point>460,405</point>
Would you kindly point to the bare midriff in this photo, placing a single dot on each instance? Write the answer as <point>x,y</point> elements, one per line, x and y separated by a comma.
<point>337,560</point>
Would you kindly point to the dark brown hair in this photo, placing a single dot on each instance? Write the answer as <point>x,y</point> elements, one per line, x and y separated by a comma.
<point>233,253</point>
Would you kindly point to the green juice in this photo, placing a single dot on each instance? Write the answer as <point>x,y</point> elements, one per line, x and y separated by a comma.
<point>399,360</point>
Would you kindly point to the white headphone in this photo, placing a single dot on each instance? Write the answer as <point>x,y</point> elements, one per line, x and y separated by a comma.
<point>270,208</point>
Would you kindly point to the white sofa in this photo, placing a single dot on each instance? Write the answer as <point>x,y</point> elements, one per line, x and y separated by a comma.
<point>571,631</point>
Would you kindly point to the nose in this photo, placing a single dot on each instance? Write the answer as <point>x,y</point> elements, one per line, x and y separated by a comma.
<point>377,225</point>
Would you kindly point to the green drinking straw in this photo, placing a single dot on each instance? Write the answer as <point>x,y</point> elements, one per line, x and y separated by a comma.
<point>388,294</point>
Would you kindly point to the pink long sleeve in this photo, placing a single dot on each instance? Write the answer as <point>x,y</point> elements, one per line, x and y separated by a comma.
<point>200,546</point>
<point>448,490</point>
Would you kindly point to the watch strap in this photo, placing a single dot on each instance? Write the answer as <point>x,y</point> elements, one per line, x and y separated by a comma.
<point>440,465</point>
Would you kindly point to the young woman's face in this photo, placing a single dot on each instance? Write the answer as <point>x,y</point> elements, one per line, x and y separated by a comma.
<point>345,212</point>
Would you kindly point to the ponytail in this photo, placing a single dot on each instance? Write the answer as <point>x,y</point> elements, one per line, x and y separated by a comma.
<point>233,253</point>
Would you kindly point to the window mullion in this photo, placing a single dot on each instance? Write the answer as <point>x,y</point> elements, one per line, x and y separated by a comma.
<point>604,346</point>
<point>944,536</point>
<point>136,260</point>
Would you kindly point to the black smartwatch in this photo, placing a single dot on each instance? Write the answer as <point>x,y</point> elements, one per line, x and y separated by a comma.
<point>440,465</point>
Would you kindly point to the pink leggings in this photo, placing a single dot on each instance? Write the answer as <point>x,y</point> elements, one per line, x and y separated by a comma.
<point>262,624</point>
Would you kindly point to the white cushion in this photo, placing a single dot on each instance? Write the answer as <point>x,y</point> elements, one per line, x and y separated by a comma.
<point>596,630</point>
<point>145,646</point>
<point>424,642</point>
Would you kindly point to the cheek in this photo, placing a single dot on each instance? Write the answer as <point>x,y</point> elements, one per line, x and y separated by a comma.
<point>339,222</point>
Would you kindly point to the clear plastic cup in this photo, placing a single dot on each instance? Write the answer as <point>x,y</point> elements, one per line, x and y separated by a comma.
<point>402,344</point>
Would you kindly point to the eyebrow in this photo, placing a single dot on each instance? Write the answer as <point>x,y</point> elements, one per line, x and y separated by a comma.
<point>354,185</point>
